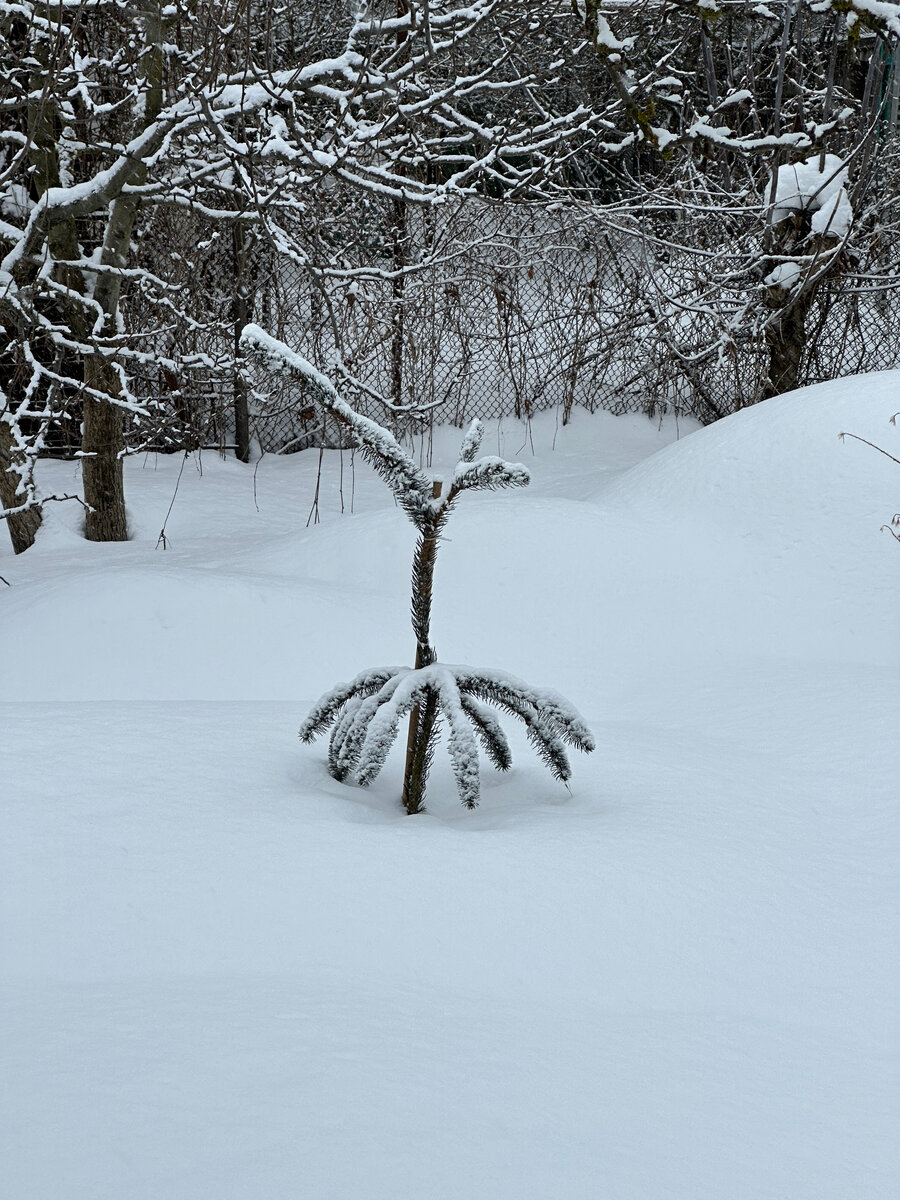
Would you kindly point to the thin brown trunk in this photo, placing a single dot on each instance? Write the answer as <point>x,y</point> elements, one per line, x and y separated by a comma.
<point>422,722</point>
<point>786,343</point>
<point>103,444</point>
<point>423,717</point>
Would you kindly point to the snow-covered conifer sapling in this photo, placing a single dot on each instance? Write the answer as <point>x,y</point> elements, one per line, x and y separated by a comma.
<point>364,715</point>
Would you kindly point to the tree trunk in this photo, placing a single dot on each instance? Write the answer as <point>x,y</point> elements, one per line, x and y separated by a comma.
<point>419,747</point>
<point>786,342</point>
<point>242,304</point>
<point>399,243</point>
<point>423,718</point>
<point>23,526</point>
<point>62,243</point>
<point>103,443</point>
<point>399,237</point>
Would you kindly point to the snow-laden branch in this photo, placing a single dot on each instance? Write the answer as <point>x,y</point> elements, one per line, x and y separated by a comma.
<point>411,487</point>
<point>413,490</point>
<point>881,15</point>
<point>366,715</point>
<point>490,472</point>
<point>471,442</point>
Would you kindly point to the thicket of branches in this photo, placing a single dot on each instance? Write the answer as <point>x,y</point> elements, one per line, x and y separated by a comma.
<point>442,204</point>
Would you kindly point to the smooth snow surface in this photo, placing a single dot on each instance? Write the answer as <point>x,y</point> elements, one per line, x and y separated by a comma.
<point>228,977</point>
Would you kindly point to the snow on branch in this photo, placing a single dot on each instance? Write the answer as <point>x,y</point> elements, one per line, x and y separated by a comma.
<point>461,744</point>
<point>490,473</point>
<point>409,484</point>
<point>489,731</point>
<point>471,443</point>
<point>384,722</point>
<point>877,14</point>
<point>366,716</point>
<point>329,705</point>
<point>499,686</point>
<point>817,188</point>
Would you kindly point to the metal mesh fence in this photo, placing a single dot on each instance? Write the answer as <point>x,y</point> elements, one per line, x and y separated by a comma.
<point>514,313</point>
<point>531,316</point>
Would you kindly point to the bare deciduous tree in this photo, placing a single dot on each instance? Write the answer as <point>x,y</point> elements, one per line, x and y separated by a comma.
<point>204,107</point>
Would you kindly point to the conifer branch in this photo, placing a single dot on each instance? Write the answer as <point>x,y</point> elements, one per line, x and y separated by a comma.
<point>326,708</point>
<point>461,743</point>
<point>338,737</point>
<point>366,726</point>
<point>366,712</point>
<point>385,723</point>
<point>471,443</point>
<point>489,731</point>
<point>489,473</point>
<point>411,487</point>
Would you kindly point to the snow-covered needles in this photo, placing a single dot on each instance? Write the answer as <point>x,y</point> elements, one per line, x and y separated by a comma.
<point>366,715</point>
<point>410,485</point>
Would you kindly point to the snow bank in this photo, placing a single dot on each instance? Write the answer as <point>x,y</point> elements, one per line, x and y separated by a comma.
<point>226,974</point>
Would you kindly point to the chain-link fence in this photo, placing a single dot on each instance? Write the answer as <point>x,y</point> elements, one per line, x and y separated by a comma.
<point>486,312</point>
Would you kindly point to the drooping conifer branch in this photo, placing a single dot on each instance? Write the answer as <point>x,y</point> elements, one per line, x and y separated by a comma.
<point>365,728</point>
<point>411,487</point>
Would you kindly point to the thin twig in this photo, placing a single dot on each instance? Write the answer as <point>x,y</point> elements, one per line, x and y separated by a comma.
<point>868,443</point>
<point>162,533</point>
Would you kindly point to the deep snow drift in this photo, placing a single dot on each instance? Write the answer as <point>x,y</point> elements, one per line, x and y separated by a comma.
<point>226,975</point>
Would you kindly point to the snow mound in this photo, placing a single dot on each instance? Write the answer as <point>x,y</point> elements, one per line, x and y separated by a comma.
<point>225,972</point>
<point>780,468</point>
<point>742,543</point>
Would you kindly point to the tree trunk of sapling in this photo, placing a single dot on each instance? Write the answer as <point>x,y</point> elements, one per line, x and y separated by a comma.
<point>419,748</point>
<point>423,718</point>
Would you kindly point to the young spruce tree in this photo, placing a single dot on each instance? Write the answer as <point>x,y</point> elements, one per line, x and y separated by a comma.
<point>365,714</point>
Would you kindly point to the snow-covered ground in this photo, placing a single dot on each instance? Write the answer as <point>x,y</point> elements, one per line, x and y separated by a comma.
<point>228,977</point>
